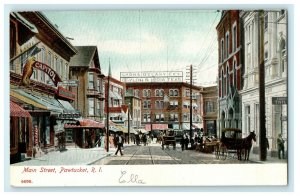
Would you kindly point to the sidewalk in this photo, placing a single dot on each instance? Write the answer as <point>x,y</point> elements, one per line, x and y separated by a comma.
<point>71,156</point>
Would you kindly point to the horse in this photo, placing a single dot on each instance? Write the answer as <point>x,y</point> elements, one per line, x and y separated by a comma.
<point>245,145</point>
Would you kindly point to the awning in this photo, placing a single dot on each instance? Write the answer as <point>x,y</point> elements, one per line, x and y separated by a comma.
<point>122,128</point>
<point>38,101</point>
<point>17,111</point>
<point>85,123</point>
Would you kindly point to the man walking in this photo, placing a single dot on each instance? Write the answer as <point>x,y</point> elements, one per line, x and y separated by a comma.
<point>119,144</point>
<point>280,146</point>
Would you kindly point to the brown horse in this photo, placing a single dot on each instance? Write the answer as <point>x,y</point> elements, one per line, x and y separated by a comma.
<point>244,145</point>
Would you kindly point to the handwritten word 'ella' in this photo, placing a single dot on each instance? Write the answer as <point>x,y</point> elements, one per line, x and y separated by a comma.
<point>131,178</point>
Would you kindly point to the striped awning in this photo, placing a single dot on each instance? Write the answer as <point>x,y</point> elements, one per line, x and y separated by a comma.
<point>17,111</point>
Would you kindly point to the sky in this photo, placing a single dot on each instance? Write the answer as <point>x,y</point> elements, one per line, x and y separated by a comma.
<point>146,40</point>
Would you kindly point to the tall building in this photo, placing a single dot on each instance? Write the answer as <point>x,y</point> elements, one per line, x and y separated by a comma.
<point>37,66</point>
<point>230,70</point>
<point>167,105</point>
<point>275,62</point>
<point>86,69</point>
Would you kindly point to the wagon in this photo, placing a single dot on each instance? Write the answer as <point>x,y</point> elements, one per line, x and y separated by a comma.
<point>167,141</point>
<point>229,143</point>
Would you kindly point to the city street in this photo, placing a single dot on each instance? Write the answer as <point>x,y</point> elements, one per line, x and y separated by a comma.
<point>153,154</point>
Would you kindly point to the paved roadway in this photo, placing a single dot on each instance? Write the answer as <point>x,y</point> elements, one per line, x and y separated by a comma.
<point>153,154</point>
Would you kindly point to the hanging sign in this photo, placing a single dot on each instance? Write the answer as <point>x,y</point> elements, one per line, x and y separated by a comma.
<point>28,70</point>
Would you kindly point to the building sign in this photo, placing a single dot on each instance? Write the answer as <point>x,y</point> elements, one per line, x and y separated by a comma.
<point>48,70</point>
<point>64,93</point>
<point>279,100</point>
<point>72,83</point>
<point>151,76</point>
<point>28,70</point>
<point>68,116</point>
<point>156,127</point>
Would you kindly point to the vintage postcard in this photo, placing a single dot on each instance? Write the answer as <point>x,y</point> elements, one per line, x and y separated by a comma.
<point>148,97</point>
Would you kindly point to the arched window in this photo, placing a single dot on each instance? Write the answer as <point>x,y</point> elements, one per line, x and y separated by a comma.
<point>234,74</point>
<point>171,93</point>
<point>282,54</point>
<point>223,84</point>
<point>227,80</point>
<point>175,92</point>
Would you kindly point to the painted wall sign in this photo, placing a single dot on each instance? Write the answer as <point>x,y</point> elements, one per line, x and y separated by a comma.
<point>152,76</point>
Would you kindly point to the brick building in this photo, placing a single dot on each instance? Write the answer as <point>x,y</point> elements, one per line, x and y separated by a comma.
<point>230,69</point>
<point>166,105</point>
<point>210,110</point>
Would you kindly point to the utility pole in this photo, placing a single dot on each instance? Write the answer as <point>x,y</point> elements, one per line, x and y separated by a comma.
<point>262,111</point>
<point>107,112</point>
<point>191,100</point>
<point>129,104</point>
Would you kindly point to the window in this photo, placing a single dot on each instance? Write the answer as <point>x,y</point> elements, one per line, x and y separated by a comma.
<point>234,73</point>
<point>247,116</point>
<point>98,85</point>
<point>209,106</point>
<point>223,84</point>
<point>266,22</point>
<point>67,71</point>
<point>159,92</point>
<point>172,117</point>
<point>147,104</point>
<point>227,81</point>
<point>61,69</point>
<point>56,64</point>
<point>282,54</point>
<point>91,80</point>
<point>43,59</point>
<point>222,50</point>
<point>136,93</point>
<point>146,93</point>
<point>227,45</point>
<point>175,93</point>
<point>159,117</point>
<point>176,117</point>
<point>234,38</point>
<point>49,60</point>
<point>91,106</point>
<point>98,108</point>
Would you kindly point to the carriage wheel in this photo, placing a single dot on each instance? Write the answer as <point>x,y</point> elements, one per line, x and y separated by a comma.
<point>223,152</point>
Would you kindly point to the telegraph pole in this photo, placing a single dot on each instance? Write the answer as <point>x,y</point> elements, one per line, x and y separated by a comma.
<point>107,112</point>
<point>262,111</point>
<point>191,100</point>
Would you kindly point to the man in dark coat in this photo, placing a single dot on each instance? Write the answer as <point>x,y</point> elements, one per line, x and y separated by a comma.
<point>119,144</point>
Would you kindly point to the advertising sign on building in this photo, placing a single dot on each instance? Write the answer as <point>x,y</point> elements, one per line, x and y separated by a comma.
<point>151,76</point>
<point>279,100</point>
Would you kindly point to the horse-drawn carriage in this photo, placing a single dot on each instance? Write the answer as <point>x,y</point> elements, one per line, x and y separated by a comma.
<point>167,141</point>
<point>232,142</point>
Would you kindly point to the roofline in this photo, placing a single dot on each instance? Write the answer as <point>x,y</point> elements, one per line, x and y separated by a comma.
<point>57,32</point>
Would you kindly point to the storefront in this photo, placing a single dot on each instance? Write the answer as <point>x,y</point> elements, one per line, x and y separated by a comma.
<point>84,133</point>
<point>20,133</point>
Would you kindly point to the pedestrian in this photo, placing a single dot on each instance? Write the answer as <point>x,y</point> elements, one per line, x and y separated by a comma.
<point>119,144</point>
<point>182,142</point>
<point>186,141</point>
<point>280,146</point>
